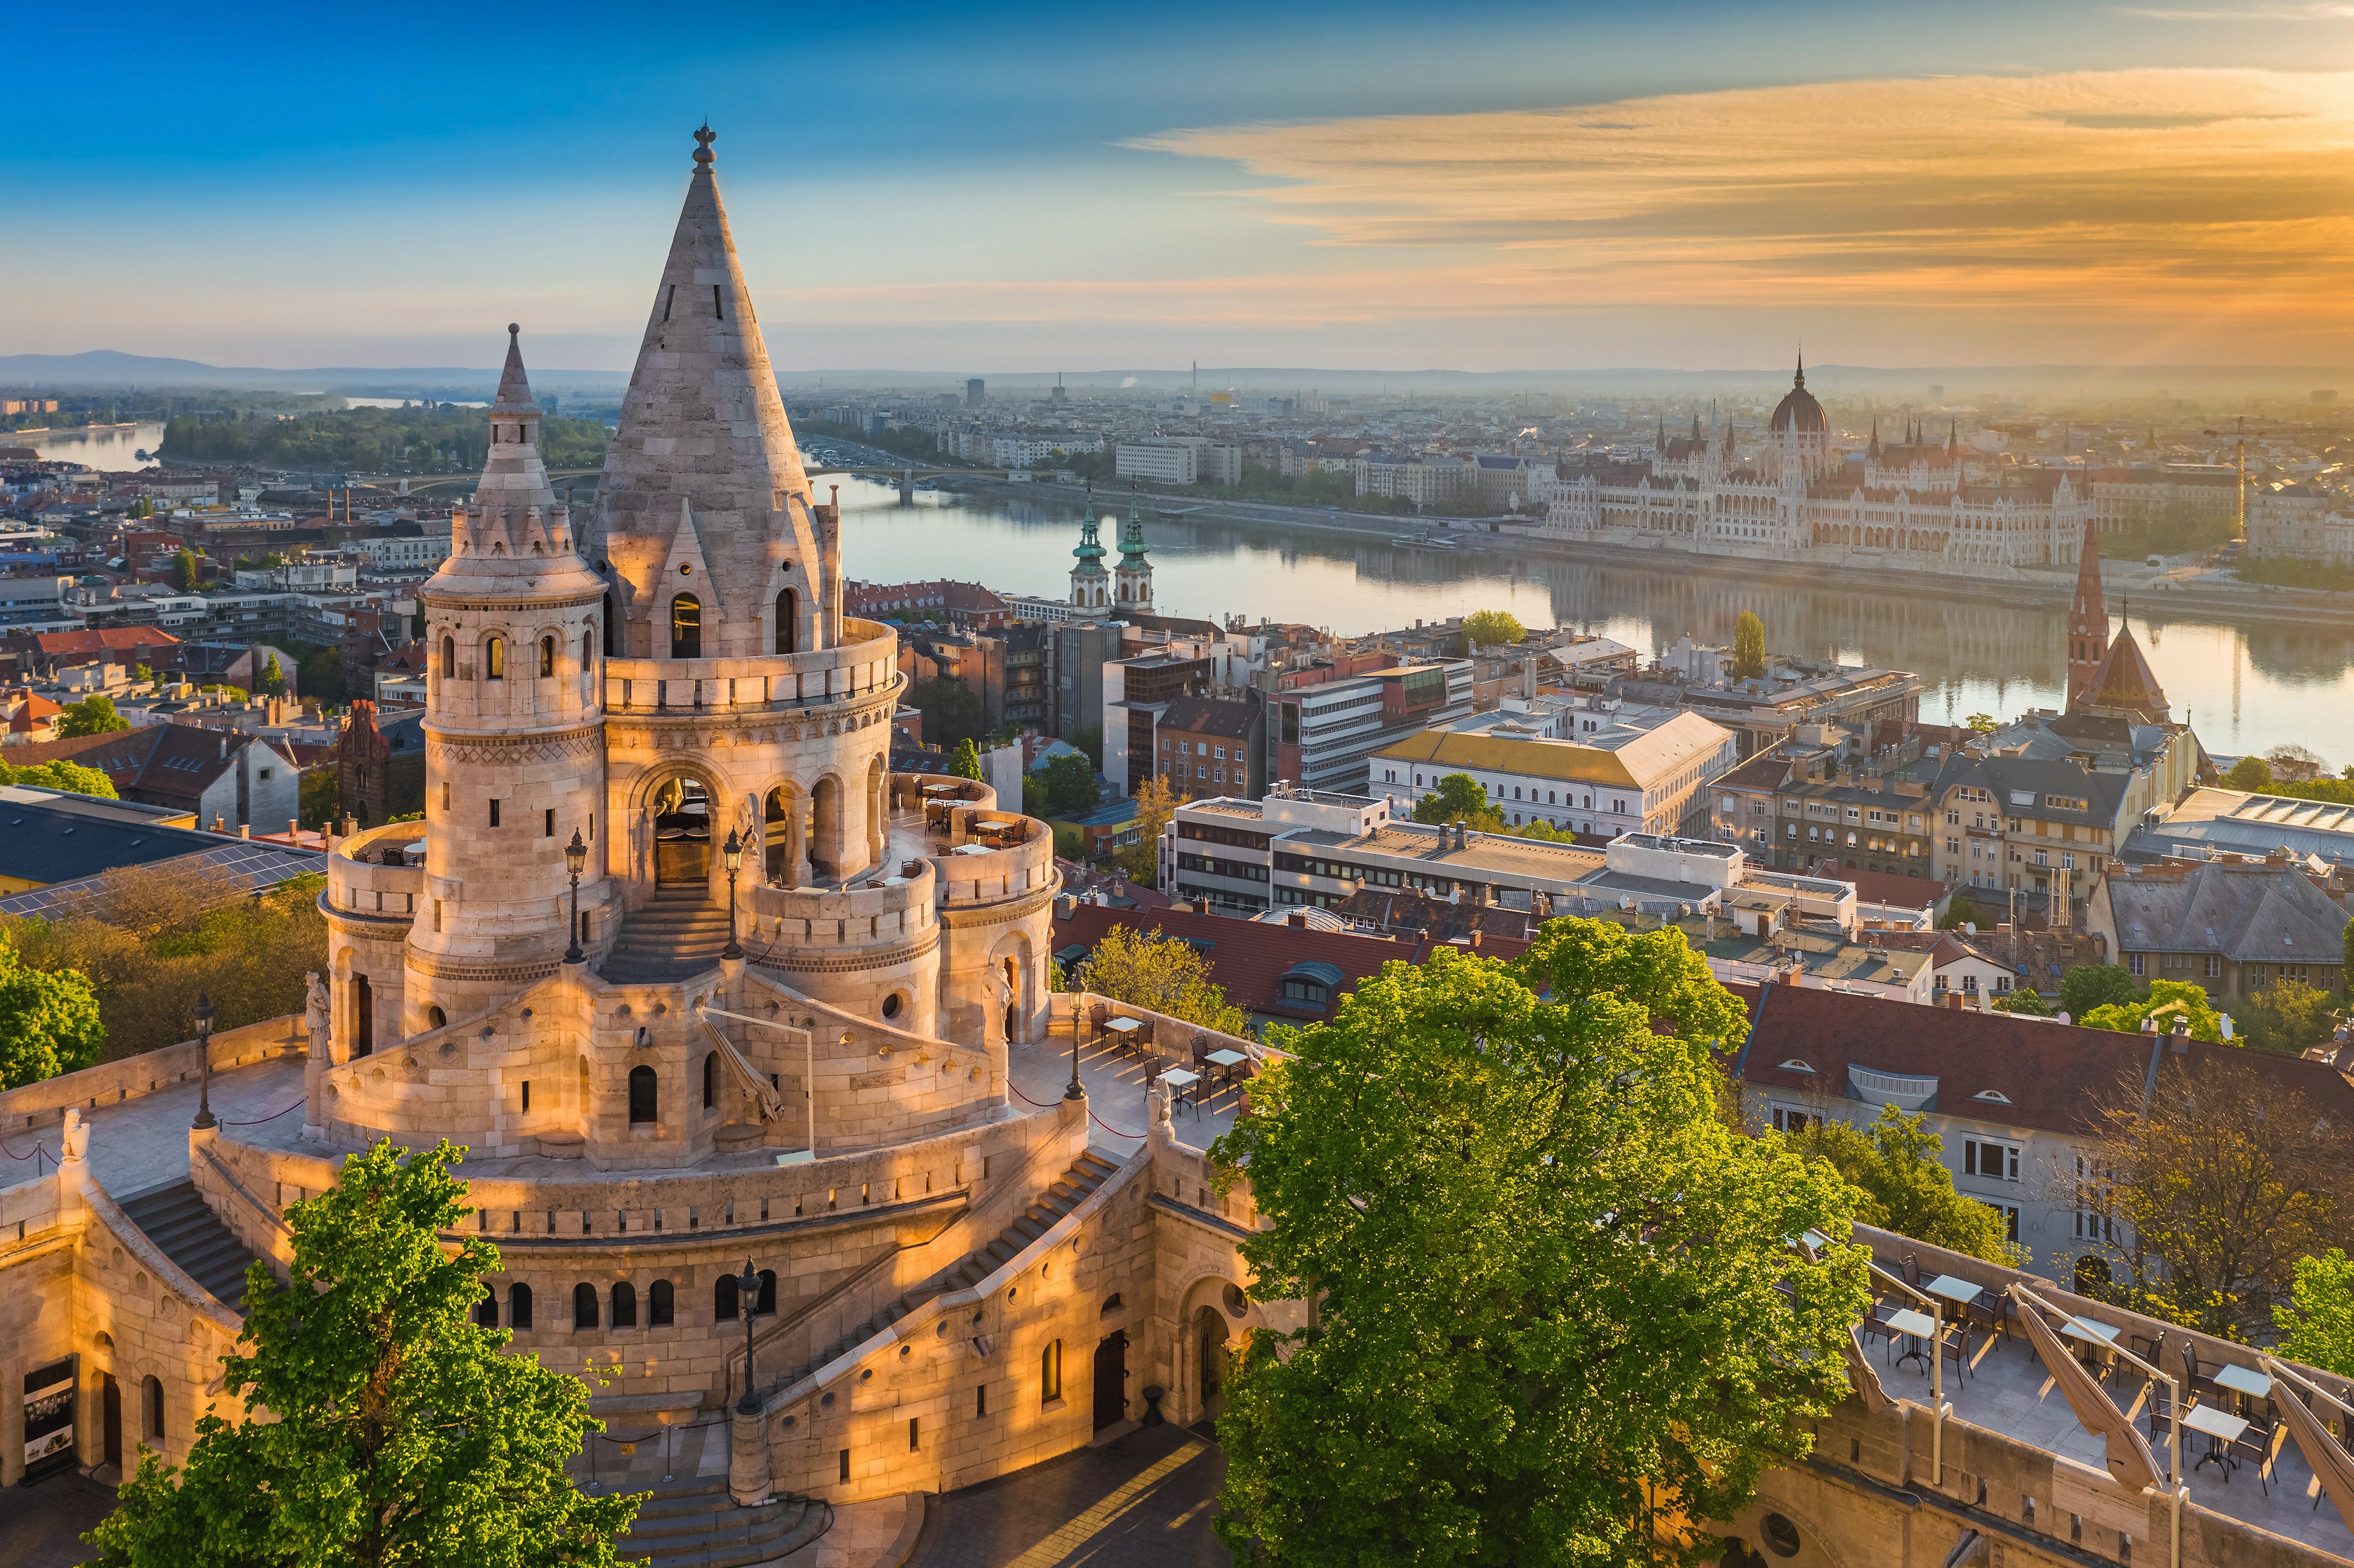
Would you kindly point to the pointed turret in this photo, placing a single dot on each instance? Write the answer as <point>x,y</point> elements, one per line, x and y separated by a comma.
<point>1089,581</point>
<point>702,428</point>
<point>514,536</point>
<point>2088,619</point>
<point>1134,575</point>
<point>1874,449</point>
<point>1953,438</point>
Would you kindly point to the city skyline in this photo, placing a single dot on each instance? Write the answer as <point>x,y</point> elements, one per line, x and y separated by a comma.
<point>1693,188</point>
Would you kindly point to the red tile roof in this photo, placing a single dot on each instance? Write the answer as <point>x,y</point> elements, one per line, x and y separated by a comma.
<point>2050,1075</point>
<point>105,640</point>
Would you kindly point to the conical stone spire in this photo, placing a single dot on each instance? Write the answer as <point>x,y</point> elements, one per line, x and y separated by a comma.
<point>703,431</point>
<point>2088,620</point>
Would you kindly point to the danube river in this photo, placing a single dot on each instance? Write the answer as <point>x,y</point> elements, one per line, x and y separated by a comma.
<point>2246,689</point>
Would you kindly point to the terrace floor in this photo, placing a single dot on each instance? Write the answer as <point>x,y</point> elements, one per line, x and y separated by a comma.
<point>2007,1389</point>
<point>1114,1081</point>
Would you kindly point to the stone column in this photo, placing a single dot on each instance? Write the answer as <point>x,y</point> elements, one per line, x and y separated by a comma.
<point>747,1460</point>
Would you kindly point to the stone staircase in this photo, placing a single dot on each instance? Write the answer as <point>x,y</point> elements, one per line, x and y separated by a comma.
<point>177,1219</point>
<point>697,1525</point>
<point>677,933</point>
<point>1069,1190</point>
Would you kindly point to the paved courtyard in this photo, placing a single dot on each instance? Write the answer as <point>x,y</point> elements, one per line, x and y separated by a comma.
<point>41,1525</point>
<point>1142,1500</point>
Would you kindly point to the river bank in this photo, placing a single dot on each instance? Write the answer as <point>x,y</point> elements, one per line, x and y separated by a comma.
<point>2161,591</point>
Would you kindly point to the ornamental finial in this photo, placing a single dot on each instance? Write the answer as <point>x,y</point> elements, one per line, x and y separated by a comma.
<point>703,140</point>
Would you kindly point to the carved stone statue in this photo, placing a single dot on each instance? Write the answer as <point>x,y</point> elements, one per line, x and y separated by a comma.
<point>316,1013</point>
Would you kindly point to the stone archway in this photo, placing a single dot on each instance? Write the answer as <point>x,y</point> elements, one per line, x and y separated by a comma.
<point>825,847</point>
<point>683,811</point>
<point>784,832</point>
<point>1013,979</point>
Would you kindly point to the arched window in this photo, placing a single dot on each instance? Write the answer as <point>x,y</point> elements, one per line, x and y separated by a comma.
<point>724,1307</point>
<point>1050,1372</point>
<point>584,1306</point>
<point>767,1302</point>
<point>789,608</point>
<point>494,659</point>
<point>435,1018</point>
<point>625,1305</point>
<point>546,657</point>
<point>685,627</point>
<point>608,624</point>
<point>448,657</point>
<point>658,1303</point>
<point>588,652</point>
<point>150,1408</point>
<point>486,1311</point>
<point>641,1095</point>
<point>710,1079</point>
<point>518,1306</point>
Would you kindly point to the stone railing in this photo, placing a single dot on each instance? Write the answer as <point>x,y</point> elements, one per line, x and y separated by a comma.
<point>864,665</point>
<point>111,1083</point>
<point>783,922</point>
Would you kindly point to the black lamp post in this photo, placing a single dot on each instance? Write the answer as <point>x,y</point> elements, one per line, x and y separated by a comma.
<point>748,1293</point>
<point>576,858</point>
<point>1074,1092</point>
<point>733,850</point>
<point>204,1117</point>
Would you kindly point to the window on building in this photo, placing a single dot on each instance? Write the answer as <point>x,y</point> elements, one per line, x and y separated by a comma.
<point>1050,1372</point>
<point>685,626</point>
<point>1790,1118</point>
<point>2133,965</point>
<point>2214,966</point>
<point>546,656</point>
<point>625,1305</point>
<point>661,1303</point>
<point>1989,1160</point>
<point>518,1306</point>
<point>584,1306</point>
<point>448,657</point>
<point>642,1096</point>
<point>494,659</point>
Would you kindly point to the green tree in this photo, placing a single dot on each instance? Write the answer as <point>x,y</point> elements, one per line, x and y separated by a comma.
<point>1547,1329</point>
<point>1981,723</point>
<point>143,507</point>
<point>2250,773</point>
<point>2167,1000</point>
<point>1905,1187</point>
<point>2022,1000</point>
<point>323,797</point>
<point>2285,1018</point>
<point>965,761</point>
<point>185,573</point>
<point>319,673</point>
<point>2318,1325</point>
<point>48,1020</point>
<point>1748,647</point>
<point>401,1434</point>
<point>1959,912</point>
<point>1089,737</point>
<point>1070,784</point>
<point>271,682</point>
<point>71,776</point>
<point>94,714</point>
<point>1492,629</point>
<point>951,713</point>
<point>2096,985</point>
<point>1156,803</point>
<point>1145,968</point>
<point>1459,798</point>
<point>143,672</point>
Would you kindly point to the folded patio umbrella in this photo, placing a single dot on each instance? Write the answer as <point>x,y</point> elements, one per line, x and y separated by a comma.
<point>2130,1462</point>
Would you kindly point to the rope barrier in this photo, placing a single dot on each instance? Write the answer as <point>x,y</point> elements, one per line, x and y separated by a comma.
<point>257,1121</point>
<point>1109,1128</point>
<point>37,1150</point>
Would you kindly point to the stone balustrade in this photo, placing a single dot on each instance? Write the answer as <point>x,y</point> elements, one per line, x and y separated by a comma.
<point>111,1083</point>
<point>864,665</point>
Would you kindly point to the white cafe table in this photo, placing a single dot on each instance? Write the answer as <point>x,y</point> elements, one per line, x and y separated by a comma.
<point>1178,1079</point>
<point>1227,1058</point>
<point>1953,1288</point>
<point>2221,1428</point>
<point>2240,1379</point>
<point>1914,1325</point>
<point>2095,1333</point>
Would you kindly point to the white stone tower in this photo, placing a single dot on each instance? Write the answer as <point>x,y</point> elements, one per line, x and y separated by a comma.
<point>514,728</point>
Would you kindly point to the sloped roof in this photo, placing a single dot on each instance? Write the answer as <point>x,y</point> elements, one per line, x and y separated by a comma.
<point>2249,914</point>
<point>1650,755</point>
<point>1208,715</point>
<point>2124,684</point>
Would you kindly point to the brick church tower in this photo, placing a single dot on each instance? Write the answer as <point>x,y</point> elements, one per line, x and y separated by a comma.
<point>2088,621</point>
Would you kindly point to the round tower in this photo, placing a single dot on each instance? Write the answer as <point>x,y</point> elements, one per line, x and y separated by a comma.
<point>514,743</point>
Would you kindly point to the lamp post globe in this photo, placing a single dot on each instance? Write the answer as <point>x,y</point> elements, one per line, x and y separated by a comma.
<point>575,860</point>
<point>733,852</point>
<point>747,1297</point>
<point>204,1117</point>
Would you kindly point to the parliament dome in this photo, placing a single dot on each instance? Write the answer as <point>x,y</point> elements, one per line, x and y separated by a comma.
<point>1797,410</point>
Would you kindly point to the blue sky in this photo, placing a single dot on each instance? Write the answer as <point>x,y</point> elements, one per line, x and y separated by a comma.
<point>979,187</point>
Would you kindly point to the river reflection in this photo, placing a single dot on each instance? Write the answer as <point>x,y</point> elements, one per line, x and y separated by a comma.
<point>2245,689</point>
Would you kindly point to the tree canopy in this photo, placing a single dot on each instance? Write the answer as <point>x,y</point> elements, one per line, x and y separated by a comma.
<point>965,761</point>
<point>2023,1001</point>
<point>401,1434</point>
<point>48,1020</point>
<point>1543,1271</point>
<point>2096,985</point>
<point>1492,629</point>
<point>1904,1186</point>
<point>71,776</point>
<point>1147,970</point>
<point>2167,1000</point>
<point>2285,1018</point>
<point>1748,646</point>
<point>94,714</point>
<point>1156,802</point>
<point>428,438</point>
<point>2316,1327</point>
<point>1069,780</point>
<point>1459,798</point>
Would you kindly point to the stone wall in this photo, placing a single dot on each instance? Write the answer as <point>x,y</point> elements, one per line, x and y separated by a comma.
<point>111,1083</point>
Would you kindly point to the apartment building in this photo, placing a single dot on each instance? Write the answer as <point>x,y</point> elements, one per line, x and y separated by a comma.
<point>1208,746</point>
<point>1323,737</point>
<point>1136,692</point>
<point>1597,770</point>
<point>2233,926</point>
<point>1425,481</point>
<point>1179,460</point>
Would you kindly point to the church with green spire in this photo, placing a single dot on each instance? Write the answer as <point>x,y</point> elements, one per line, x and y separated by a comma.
<point>1090,584</point>
<point>1133,584</point>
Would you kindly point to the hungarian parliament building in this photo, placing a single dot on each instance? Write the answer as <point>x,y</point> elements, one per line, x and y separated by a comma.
<point>1802,498</point>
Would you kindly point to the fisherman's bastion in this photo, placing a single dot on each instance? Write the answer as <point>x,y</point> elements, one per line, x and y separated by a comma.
<point>703,988</point>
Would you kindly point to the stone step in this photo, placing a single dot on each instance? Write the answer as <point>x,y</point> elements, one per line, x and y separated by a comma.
<point>720,1535</point>
<point>177,1221</point>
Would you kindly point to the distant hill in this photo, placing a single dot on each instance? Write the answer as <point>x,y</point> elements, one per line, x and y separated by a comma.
<point>108,367</point>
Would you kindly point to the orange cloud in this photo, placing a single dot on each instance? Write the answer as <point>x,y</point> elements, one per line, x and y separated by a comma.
<point>2159,213</point>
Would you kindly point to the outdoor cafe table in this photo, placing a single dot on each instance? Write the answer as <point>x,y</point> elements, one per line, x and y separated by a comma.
<point>2244,1382</point>
<point>1125,1028</point>
<point>2221,1427</point>
<point>2096,1334</point>
<point>1918,1325</point>
<point>1959,1291</point>
<point>1228,1058</point>
<point>1178,1080</point>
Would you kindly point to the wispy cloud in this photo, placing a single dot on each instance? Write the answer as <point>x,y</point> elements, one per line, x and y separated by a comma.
<point>2165,202</point>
